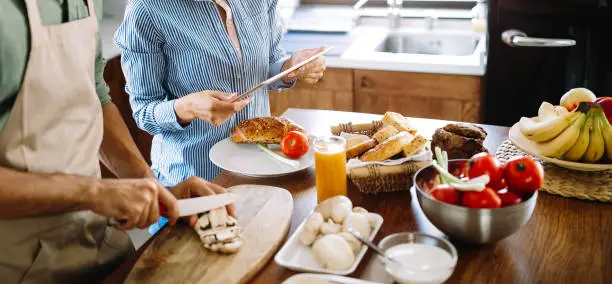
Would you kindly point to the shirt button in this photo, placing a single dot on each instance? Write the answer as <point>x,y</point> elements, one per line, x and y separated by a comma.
<point>238,76</point>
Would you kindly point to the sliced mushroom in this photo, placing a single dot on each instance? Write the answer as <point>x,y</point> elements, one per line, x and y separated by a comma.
<point>218,231</point>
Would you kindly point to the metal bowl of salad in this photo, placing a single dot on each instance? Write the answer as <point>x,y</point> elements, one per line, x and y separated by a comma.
<point>471,214</point>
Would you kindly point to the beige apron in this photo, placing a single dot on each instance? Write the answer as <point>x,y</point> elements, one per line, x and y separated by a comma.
<point>55,126</point>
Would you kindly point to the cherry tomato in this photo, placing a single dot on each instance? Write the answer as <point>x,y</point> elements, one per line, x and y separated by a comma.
<point>487,164</point>
<point>481,199</point>
<point>509,198</point>
<point>445,193</point>
<point>294,144</point>
<point>524,174</point>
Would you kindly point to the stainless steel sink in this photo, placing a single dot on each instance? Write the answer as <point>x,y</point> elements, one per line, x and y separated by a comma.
<point>432,43</point>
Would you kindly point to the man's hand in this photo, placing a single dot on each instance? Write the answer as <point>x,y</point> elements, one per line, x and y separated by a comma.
<point>213,107</point>
<point>194,187</point>
<point>133,202</point>
<point>309,73</point>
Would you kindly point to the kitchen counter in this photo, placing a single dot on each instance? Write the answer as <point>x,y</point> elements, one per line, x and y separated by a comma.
<point>317,25</point>
<point>347,53</point>
<point>566,240</point>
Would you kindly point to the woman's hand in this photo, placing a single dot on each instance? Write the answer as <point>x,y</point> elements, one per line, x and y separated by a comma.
<point>309,73</point>
<point>213,107</point>
<point>194,187</point>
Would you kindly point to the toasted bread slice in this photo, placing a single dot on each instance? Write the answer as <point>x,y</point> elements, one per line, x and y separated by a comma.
<point>387,149</point>
<point>354,141</point>
<point>360,148</point>
<point>385,133</point>
<point>417,143</point>
<point>398,121</point>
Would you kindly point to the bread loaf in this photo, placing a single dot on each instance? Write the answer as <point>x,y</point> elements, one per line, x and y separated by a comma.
<point>385,133</point>
<point>387,149</point>
<point>398,121</point>
<point>417,143</point>
<point>360,148</point>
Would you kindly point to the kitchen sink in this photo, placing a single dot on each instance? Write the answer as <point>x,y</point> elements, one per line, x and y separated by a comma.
<point>449,50</point>
<point>432,43</point>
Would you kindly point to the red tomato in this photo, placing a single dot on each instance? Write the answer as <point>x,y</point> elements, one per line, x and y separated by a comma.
<point>524,174</point>
<point>487,164</point>
<point>445,193</point>
<point>481,199</point>
<point>509,198</point>
<point>606,104</point>
<point>294,144</point>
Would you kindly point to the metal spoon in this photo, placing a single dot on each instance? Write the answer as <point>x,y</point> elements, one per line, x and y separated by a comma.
<point>374,247</point>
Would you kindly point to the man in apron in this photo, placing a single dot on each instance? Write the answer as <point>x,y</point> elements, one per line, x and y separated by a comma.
<point>56,123</point>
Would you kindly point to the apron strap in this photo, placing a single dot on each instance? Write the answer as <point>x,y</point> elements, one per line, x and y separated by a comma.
<point>91,8</point>
<point>34,20</point>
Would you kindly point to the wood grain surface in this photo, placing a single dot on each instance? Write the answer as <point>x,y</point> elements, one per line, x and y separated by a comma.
<point>566,241</point>
<point>177,255</point>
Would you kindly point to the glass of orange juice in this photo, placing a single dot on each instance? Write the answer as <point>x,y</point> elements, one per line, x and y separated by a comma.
<point>330,166</point>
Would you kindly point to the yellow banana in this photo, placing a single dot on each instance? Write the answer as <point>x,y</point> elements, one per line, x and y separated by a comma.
<point>580,147</point>
<point>542,131</point>
<point>606,131</point>
<point>564,141</point>
<point>596,147</point>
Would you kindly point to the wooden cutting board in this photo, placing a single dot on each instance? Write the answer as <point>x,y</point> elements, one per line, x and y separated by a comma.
<point>178,256</point>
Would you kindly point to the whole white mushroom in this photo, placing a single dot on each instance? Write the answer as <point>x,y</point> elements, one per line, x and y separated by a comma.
<point>351,240</point>
<point>325,207</point>
<point>340,208</point>
<point>358,222</point>
<point>308,237</point>
<point>359,210</point>
<point>333,252</point>
<point>330,227</point>
<point>313,222</point>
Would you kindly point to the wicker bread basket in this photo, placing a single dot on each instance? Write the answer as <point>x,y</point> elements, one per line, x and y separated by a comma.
<point>373,178</point>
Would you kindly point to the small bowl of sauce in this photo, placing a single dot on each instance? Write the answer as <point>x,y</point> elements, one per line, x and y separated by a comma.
<point>419,258</point>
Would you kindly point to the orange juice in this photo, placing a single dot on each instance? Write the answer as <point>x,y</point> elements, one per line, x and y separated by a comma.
<point>330,167</point>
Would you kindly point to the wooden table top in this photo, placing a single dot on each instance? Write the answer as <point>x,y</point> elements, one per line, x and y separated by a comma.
<point>566,240</point>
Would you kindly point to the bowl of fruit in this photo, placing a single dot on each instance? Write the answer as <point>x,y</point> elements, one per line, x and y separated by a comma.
<point>576,134</point>
<point>479,200</point>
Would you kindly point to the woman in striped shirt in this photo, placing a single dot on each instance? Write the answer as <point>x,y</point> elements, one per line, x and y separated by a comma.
<point>184,61</point>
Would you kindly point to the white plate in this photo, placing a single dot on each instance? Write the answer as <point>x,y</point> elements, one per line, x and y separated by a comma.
<point>529,147</point>
<point>249,160</point>
<point>311,278</point>
<point>296,256</point>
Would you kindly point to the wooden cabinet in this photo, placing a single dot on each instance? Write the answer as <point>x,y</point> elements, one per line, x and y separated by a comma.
<point>333,92</point>
<point>441,96</point>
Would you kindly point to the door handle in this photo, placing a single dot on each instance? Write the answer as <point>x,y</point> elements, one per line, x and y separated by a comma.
<point>516,38</point>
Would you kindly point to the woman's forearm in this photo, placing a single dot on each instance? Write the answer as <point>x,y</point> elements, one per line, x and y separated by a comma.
<point>118,152</point>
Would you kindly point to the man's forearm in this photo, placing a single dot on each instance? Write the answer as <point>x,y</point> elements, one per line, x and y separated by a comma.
<point>119,152</point>
<point>25,194</point>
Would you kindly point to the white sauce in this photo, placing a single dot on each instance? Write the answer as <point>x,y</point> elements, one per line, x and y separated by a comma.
<point>416,257</point>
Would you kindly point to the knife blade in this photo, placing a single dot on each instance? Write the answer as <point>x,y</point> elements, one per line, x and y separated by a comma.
<point>192,206</point>
<point>282,74</point>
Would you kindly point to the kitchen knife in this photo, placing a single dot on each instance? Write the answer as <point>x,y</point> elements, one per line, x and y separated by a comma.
<point>282,74</point>
<point>192,206</point>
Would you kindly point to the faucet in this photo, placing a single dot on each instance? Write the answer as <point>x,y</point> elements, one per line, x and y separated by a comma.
<point>395,18</point>
<point>394,12</point>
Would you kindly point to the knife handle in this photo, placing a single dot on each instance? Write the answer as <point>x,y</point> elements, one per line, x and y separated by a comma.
<point>163,210</point>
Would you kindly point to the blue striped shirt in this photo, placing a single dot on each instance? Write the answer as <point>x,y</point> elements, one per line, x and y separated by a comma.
<point>173,48</point>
